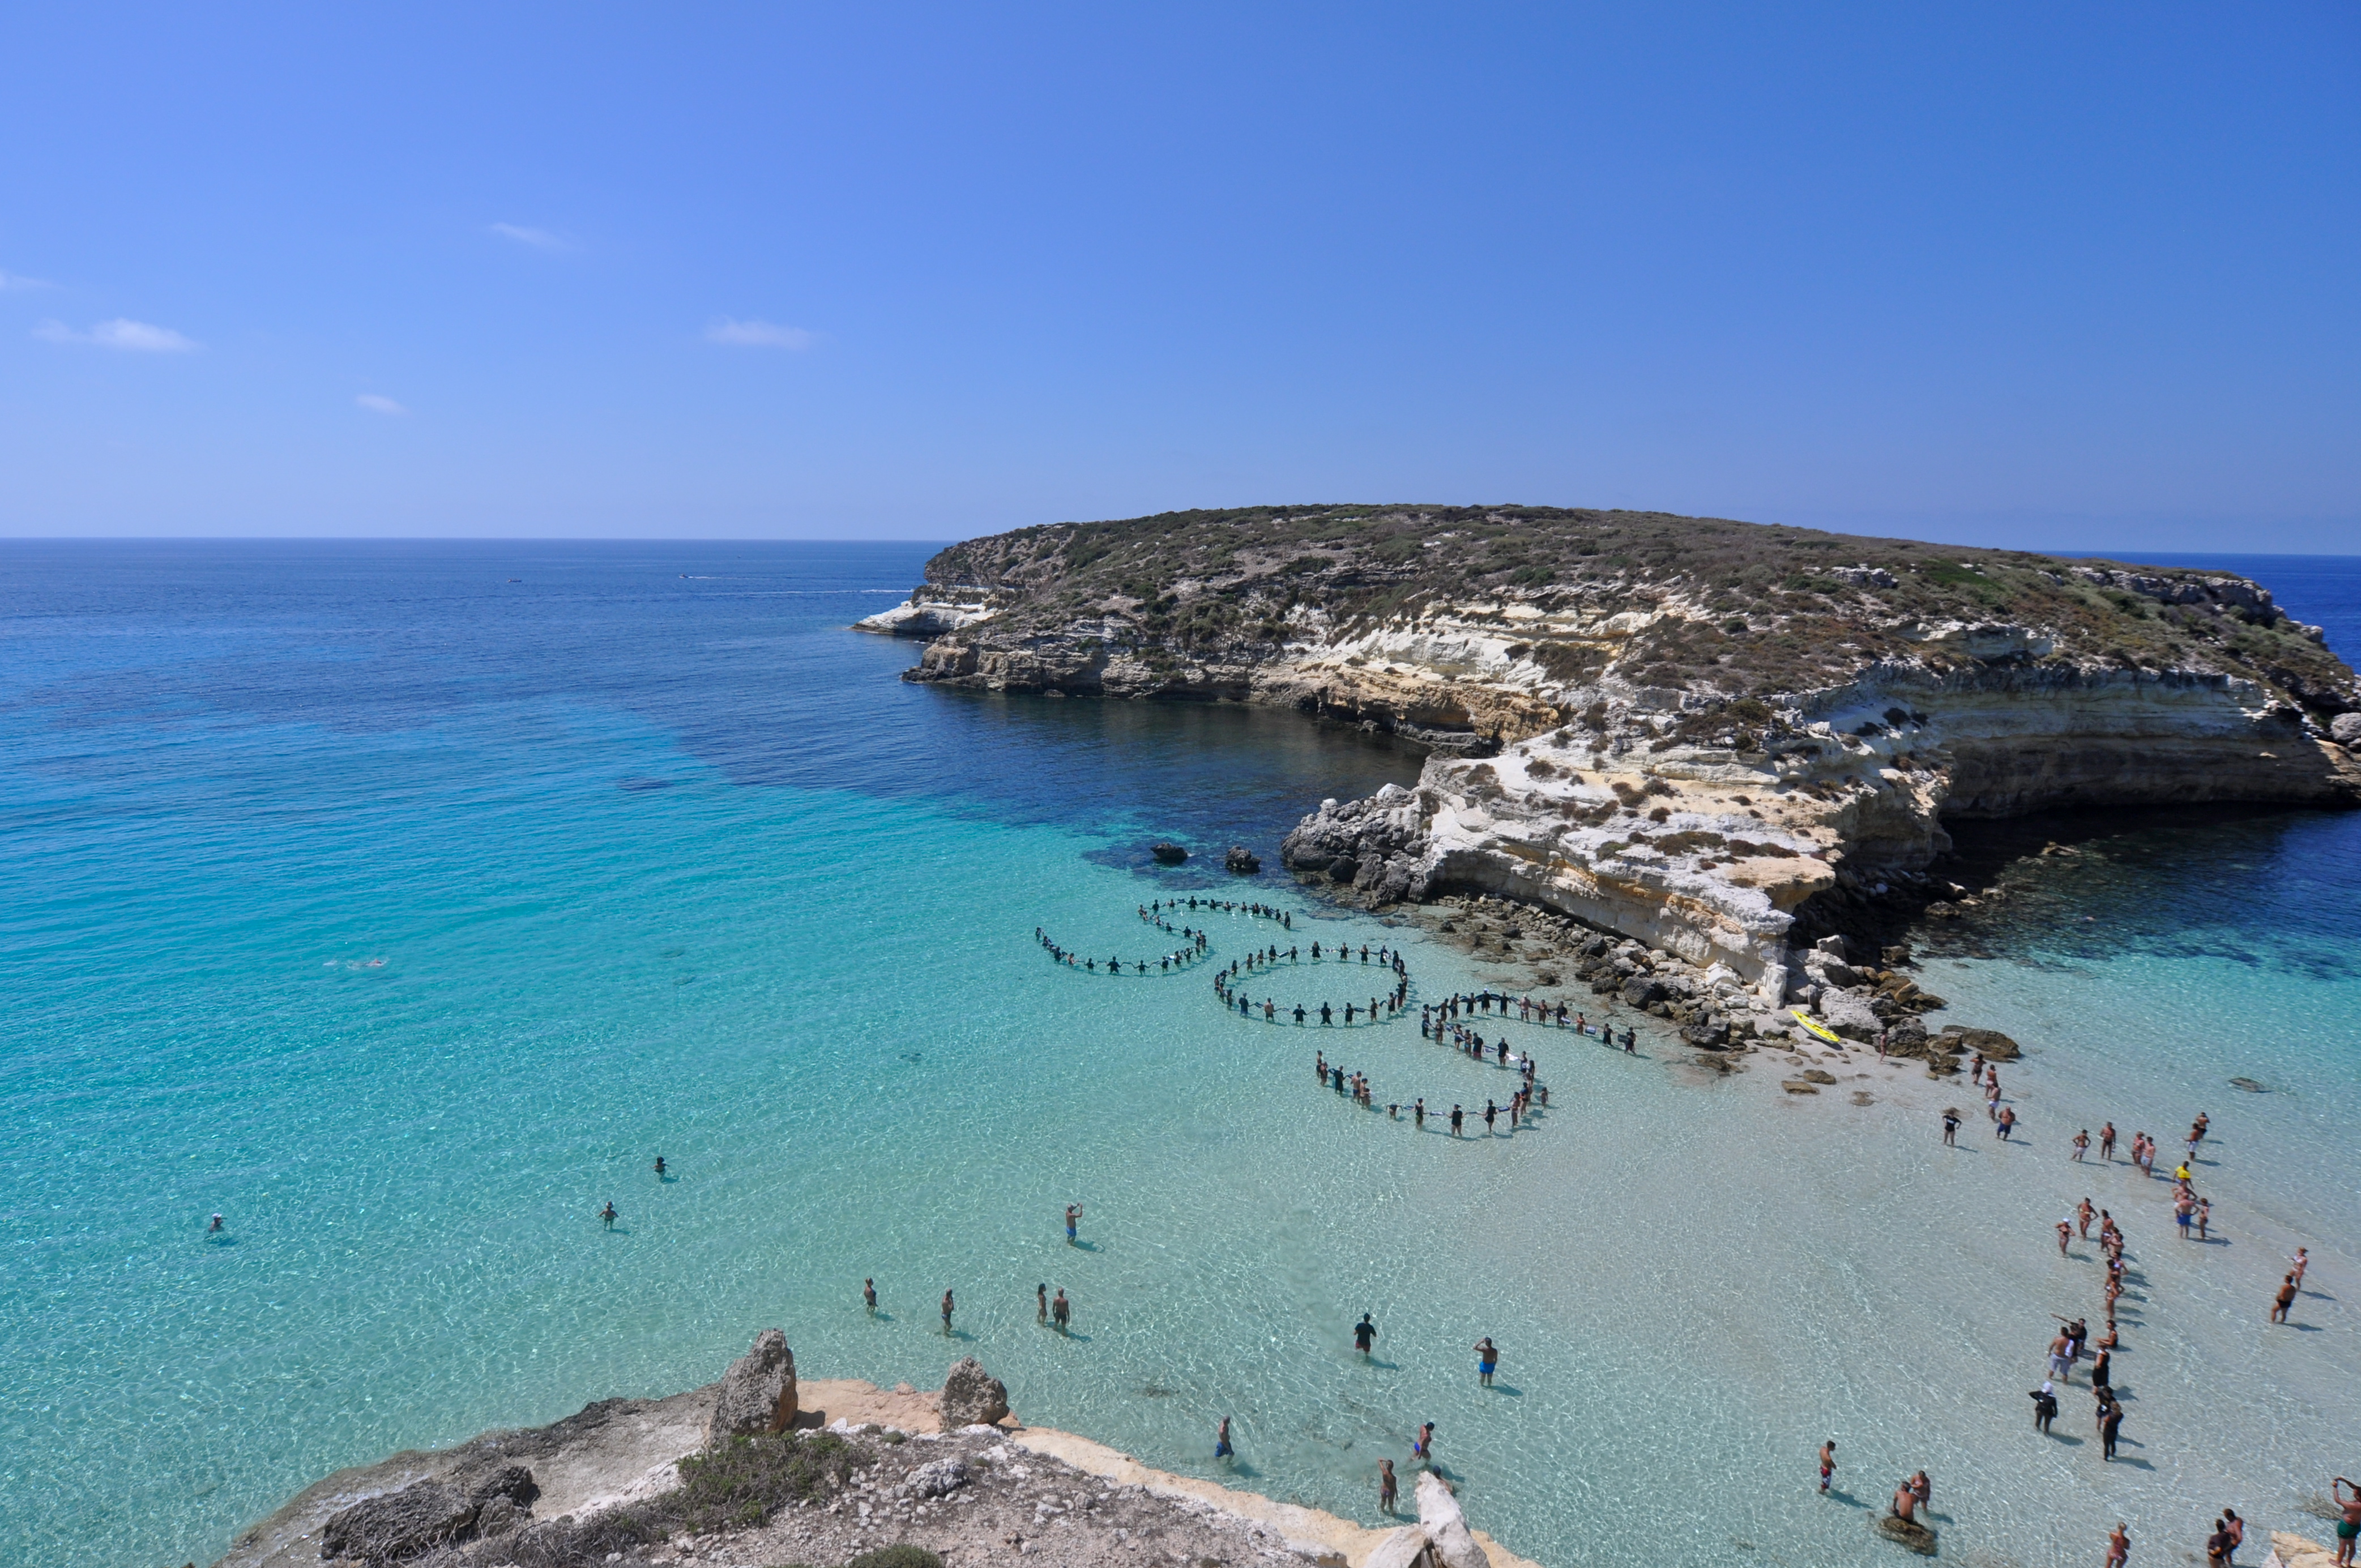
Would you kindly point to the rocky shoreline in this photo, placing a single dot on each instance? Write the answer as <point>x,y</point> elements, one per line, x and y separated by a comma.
<point>762,1469</point>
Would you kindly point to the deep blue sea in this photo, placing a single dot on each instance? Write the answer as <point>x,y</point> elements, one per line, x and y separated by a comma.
<point>400,902</point>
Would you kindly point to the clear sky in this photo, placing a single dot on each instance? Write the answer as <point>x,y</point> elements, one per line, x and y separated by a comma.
<point>2078,275</point>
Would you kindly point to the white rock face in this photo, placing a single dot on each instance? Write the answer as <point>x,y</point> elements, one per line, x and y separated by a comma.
<point>1446,1526</point>
<point>910,619</point>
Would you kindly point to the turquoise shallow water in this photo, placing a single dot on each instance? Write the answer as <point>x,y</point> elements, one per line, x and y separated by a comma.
<point>401,913</point>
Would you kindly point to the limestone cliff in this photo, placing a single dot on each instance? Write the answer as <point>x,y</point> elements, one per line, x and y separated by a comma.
<point>1678,728</point>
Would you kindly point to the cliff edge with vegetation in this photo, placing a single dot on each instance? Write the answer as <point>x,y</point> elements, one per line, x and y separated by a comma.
<point>1683,729</point>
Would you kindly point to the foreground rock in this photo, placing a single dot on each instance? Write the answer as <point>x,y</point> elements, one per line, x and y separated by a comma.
<point>758,1392</point>
<point>632,1484</point>
<point>1242,861</point>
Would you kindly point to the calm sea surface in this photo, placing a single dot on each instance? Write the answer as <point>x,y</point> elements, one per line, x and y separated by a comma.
<point>401,901</point>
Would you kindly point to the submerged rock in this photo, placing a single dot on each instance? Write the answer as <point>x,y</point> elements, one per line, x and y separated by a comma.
<point>1167,853</point>
<point>758,1392</point>
<point>1990,1043</point>
<point>971,1397</point>
<point>1907,1532</point>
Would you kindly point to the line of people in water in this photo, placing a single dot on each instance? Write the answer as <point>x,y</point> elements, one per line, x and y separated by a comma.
<point>1229,986</point>
<point>1154,910</point>
<point>1167,963</point>
<point>1530,1095</point>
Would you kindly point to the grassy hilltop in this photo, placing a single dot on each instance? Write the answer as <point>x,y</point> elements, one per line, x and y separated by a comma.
<point>1755,611</point>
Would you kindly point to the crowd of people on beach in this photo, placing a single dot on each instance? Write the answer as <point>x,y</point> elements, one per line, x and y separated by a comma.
<point>2072,1342</point>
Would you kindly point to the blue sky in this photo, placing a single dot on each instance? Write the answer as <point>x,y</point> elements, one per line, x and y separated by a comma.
<point>2073,276</point>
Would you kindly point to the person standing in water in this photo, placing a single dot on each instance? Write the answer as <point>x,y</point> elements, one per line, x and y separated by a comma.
<point>946,1312</point>
<point>1421,1447</point>
<point>1486,1358</point>
<point>1073,1217</point>
<point>2119,1546</point>
<point>1827,1463</point>
<point>215,1228</point>
<point>1389,1490</point>
<point>869,1295</point>
<point>2347,1498</point>
<point>1061,1312</point>
<point>1950,1129</point>
<point>2283,1301</point>
<point>1364,1335</point>
<point>1041,1302</point>
<point>660,1167</point>
<point>1222,1449</point>
<point>1456,1118</point>
<point>607,1215</point>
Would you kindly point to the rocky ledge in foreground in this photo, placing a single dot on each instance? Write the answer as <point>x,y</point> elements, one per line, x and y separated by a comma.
<point>1703,735</point>
<point>759,1468</point>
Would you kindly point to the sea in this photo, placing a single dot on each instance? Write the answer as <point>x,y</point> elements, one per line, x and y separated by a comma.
<point>401,901</point>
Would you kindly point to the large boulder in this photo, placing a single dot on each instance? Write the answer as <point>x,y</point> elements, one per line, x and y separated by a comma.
<point>1643,989</point>
<point>1908,1039</point>
<point>971,1397</point>
<point>1849,1015</point>
<point>1241,861</point>
<point>1445,1527</point>
<point>2345,728</point>
<point>758,1392</point>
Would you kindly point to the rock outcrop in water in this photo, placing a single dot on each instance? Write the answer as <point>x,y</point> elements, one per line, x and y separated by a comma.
<point>1688,731</point>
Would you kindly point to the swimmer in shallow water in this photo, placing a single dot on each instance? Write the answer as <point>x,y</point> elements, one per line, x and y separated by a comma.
<point>215,1229</point>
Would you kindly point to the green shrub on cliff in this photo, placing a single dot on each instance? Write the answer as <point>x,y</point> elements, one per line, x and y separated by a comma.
<point>748,1479</point>
<point>896,1557</point>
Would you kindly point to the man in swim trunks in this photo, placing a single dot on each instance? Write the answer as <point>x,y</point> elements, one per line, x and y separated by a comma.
<point>1387,1488</point>
<point>1073,1217</point>
<point>1421,1447</point>
<point>2283,1301</point>
<point>1950,1129</point>
<point>1486,1358</point>
<point>1364,1335</point>
<point>869,1295</point>
<point>1827,1463</point>
<point>1061,1311</point>
<point>1222,1449</point>
<point>2348,1529</point>
<point>2107,1143</point>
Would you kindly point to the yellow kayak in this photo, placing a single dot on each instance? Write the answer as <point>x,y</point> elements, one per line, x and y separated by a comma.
<point>1815,1028</point>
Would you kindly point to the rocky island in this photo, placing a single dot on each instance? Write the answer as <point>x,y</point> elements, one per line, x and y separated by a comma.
<point>1708,742</point>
